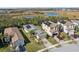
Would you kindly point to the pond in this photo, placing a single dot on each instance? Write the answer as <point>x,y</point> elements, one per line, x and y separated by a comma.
<point>52,14</point>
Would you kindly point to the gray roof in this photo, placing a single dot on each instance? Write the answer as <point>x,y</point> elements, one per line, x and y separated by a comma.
<point>29,27</point>
<point>68,23</point>
<point>40,33</point>
<point>15,33</point>
<point>76,21</point>
<point>49,23</point>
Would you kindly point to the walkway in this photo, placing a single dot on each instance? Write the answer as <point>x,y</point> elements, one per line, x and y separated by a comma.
<point>59,41</point>
<point>46,42</point>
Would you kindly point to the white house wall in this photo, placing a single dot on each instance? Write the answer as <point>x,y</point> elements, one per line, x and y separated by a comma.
<point>46,29</point>
<point>65,29</point>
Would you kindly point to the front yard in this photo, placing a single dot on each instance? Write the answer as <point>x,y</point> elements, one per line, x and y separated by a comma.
<point>34,46</point>
<point>5,49</point>
<point>52,40</point>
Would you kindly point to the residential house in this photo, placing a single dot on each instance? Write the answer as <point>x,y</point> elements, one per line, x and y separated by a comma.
<point>29,27</point>
<point>50,28</point>
<point>68,27</point>
<point>39,34</point>
<point>17,39</point>
<point>75,22</point>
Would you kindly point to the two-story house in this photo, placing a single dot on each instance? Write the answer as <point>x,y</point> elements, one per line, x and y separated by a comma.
<point>50,28</point>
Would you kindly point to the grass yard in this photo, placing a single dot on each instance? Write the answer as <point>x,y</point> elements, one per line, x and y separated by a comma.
<point>5,49</point>
<point>53,41</point>
<point>34,46</point>
<point>67,38</point>
<point>77,33</point>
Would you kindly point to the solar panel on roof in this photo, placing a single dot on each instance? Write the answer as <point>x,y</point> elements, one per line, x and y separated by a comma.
<point>47,23</point>
<point>28,26</point>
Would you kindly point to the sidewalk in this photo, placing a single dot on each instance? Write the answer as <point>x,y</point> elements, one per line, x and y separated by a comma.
<point>50,47</point>
<point>46,42</point>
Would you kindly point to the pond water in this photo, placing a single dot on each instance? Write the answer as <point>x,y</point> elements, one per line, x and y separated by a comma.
<point>52,14</point>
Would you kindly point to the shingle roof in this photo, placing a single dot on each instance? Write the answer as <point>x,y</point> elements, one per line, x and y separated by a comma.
<point>40,33</point>
<point>15,33</point>
<point>68,23</point>
<point>29,27</point>
<point>49,23</point>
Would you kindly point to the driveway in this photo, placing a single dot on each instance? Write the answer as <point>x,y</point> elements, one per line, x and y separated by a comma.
<point>46,43</point>
<point>57,39</point>
<point>75,39</point>
<point>62,42</point>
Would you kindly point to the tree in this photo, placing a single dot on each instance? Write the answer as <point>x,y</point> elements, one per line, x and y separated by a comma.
<point>77,28</point>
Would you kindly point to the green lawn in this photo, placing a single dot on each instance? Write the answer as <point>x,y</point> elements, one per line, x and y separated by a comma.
<point>77,33</point>
<point>52,40</point>
<point>73,42</point>
<point>34,46</point>
<point>5,49</point>
<point>67,38</point>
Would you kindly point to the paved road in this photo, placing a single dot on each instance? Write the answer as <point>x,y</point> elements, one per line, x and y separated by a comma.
<point>67,48</point>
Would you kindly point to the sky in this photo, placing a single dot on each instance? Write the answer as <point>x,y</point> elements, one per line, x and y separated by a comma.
<point>38,3</point>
